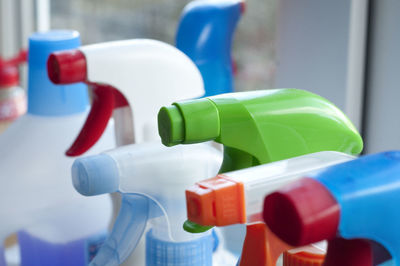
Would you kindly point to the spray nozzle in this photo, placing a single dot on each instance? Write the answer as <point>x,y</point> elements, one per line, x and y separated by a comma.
<point>18,59</point>
<point>9,75</point>
<point>192,121</point>
<point>67,67</point>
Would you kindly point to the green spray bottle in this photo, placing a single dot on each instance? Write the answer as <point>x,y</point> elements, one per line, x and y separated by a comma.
<point>259,127</point>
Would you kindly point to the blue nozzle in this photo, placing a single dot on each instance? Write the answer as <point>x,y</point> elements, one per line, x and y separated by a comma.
<point>94,175</point>
<point>44,97</point>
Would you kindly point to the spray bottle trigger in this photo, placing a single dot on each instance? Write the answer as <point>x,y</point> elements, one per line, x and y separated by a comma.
<point>100,113</point>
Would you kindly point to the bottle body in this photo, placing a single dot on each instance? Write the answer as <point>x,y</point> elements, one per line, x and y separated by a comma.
<point>42,201</point>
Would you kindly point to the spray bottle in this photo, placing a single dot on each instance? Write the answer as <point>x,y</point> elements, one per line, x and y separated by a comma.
<point>144,105</point>
<point>346,204</point>
<point>238,197</point>
<point>259,127</point>
<point>152,180</point>
<point>12,96</point>
<point>137,77</point>
<point>57,226</point>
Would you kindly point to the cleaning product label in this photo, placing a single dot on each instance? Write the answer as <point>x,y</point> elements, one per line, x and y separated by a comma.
<point>93,245</point>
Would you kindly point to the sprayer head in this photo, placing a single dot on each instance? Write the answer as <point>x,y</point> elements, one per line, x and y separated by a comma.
<point>67,67</point>
<point>187,122</point>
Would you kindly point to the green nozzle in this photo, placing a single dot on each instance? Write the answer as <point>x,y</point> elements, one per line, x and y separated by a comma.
<point>192,227</point>
<point>171,126</point>
<point>188,122</point>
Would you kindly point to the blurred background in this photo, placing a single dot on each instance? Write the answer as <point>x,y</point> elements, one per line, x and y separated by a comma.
<point>344,50</point>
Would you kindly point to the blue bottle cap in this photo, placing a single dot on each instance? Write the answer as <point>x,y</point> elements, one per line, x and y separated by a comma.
<point>44,97</point>
<point>197,252</point>
<point>95,175</point>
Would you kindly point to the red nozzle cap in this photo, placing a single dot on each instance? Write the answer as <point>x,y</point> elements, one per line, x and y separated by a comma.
<point>9,76</point>
<point>344,252</point>
<point>302,213</point>
<point>66,67</point>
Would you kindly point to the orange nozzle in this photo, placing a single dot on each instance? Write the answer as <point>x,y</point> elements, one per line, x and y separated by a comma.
<point>261,246</point>
<point>216,201</point>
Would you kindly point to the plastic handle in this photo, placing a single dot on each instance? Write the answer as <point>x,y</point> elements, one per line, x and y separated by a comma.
<point>105,100</point>
<point>127,231</point>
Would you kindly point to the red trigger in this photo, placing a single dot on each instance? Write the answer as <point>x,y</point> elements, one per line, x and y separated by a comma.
<point>103,105</point>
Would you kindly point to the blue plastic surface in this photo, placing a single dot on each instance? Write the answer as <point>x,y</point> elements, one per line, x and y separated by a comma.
<point>77,253</point>
<point>205,33</point>
<point>95,175</point>
<point>368,192</point>
<point>2,257</point>
<point>165,253</point>
<point>129,226</point>
<point>45,98</point>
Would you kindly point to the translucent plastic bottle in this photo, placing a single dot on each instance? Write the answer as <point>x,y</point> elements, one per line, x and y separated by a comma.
<point>57,226</point>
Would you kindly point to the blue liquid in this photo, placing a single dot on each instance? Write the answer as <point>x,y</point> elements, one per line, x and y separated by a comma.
<point>2,258</point>
<point>36,252</point>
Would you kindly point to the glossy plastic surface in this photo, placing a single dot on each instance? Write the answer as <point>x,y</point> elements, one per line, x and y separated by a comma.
<point>150,74</point>
<point>205,33</point>
<point>364,189</point>
<point>59,100</point>
<point>265,126</point>
<point>250,186</point>
<point>138,168</point>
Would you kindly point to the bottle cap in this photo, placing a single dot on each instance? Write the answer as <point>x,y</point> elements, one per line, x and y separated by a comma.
<point>197,252</point>
<point>45,98</point>
<point>94,175</point>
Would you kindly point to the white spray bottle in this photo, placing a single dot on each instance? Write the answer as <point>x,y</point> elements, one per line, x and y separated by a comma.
<point>56,225</point>
<point>137,77</point>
